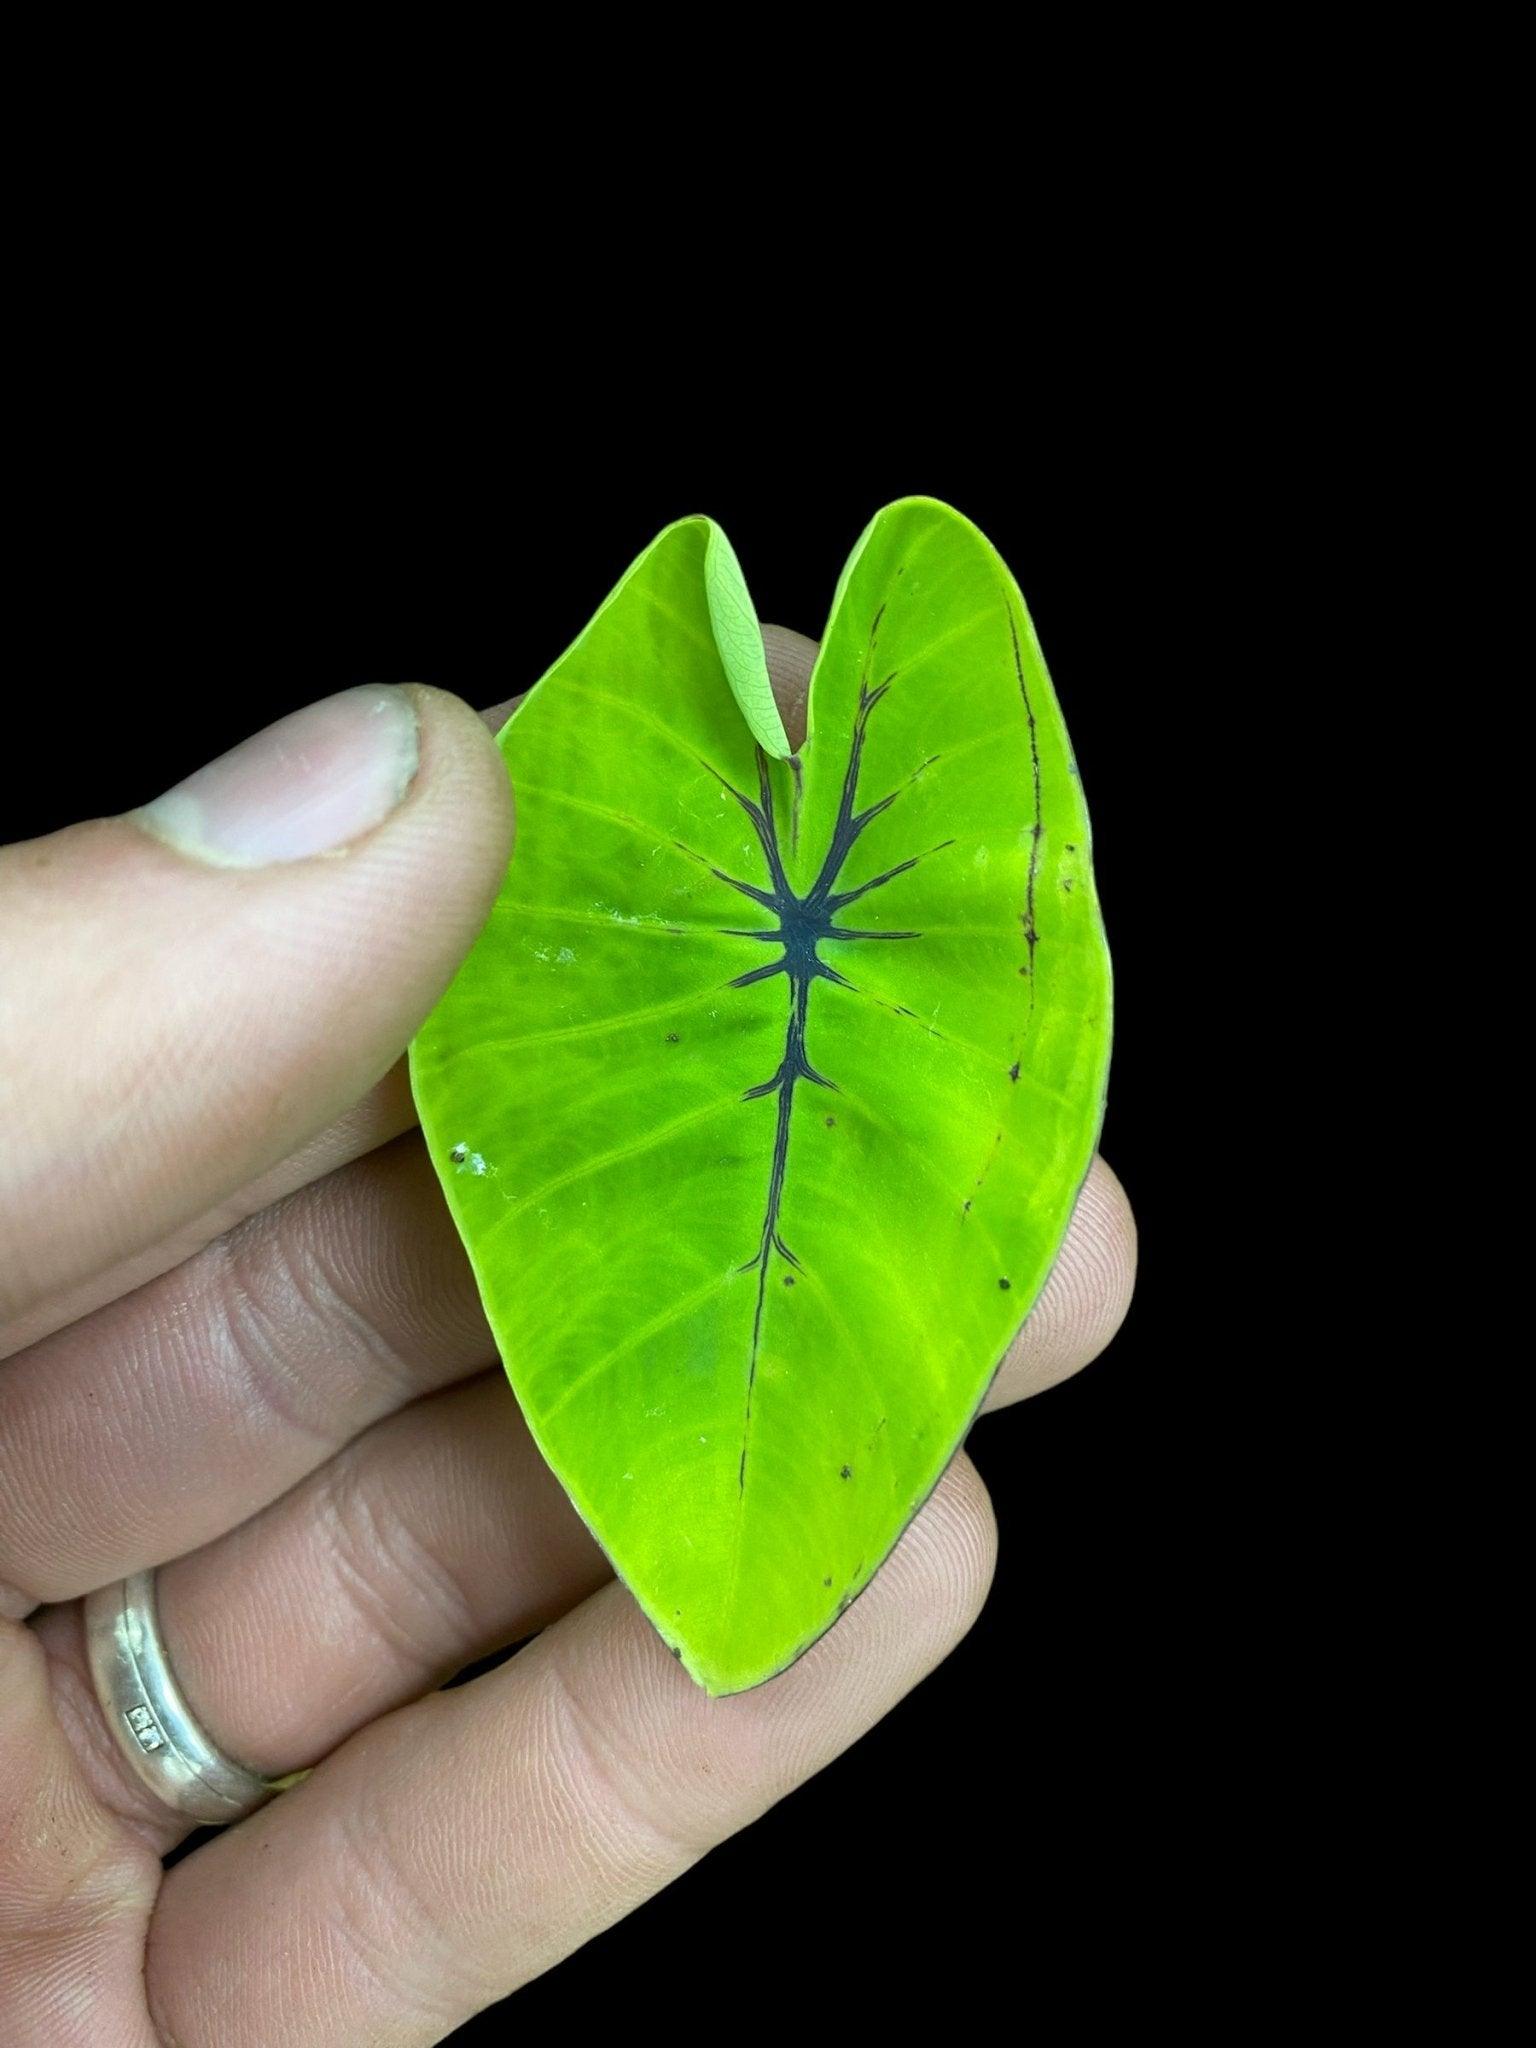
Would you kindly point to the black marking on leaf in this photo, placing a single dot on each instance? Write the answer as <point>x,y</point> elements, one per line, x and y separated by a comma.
<point>826,1582</point>
<point>1031,933</point>
<point>804,924</point>
<point>836,903</point>
<point>459,1154</point>
<point>764,896</point>
<point>672,1038</point>
<point>846,1473</point>
<point>1013,1071</point>
<point>1005,1285</point>
<point>991,1162</point>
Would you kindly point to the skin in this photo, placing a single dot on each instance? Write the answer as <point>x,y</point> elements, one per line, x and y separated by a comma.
<point>238,1332</point>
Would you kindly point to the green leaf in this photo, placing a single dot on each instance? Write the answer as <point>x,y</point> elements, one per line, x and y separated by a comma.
<point>764,1098</point>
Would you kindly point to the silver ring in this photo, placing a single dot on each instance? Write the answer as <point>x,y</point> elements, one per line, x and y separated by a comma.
<point>148,1715</point>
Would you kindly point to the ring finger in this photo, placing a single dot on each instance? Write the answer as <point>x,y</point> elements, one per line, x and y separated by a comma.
<point>440,1534</point>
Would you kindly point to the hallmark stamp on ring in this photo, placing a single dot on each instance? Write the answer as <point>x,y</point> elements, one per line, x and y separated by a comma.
<point>145,1727</point>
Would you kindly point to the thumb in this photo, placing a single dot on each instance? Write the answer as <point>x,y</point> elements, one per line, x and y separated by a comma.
<point>187,994</point>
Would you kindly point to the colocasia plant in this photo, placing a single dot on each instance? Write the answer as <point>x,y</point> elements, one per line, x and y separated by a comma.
<point>764,1098</point>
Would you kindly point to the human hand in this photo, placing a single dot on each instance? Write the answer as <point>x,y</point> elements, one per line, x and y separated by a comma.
<point>241,1342</point>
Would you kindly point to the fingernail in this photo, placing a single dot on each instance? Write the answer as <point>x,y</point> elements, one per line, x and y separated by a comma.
<point>310,784</point>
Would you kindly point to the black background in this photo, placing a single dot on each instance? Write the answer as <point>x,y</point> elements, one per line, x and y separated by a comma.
<point>1041,1823</point>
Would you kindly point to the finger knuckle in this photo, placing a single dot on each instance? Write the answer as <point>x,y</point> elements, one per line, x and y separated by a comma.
<point>383,1932</point>
<point>402,1593</point>
<point>280,1290</point>
<point>624,1814</point>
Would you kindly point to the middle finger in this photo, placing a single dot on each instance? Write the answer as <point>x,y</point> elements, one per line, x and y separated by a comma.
<point>172,1415</point>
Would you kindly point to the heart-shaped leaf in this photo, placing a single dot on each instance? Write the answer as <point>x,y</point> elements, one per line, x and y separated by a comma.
<point>763,1100</point>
